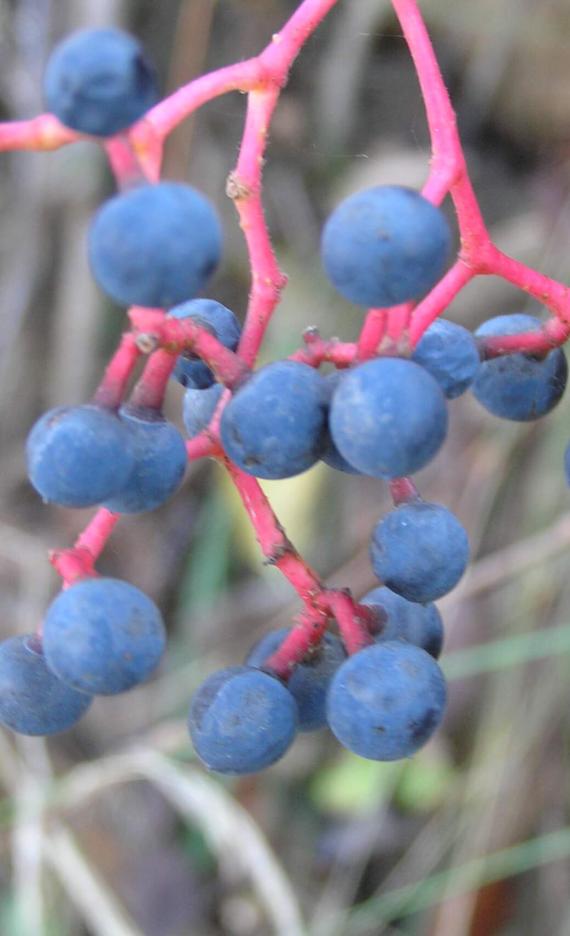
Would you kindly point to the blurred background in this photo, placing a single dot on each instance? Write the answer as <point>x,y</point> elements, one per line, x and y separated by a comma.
<point>113,829</point>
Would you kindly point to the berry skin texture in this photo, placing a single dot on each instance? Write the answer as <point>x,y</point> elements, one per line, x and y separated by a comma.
<point>32,700</point>
<point>310,679</point>
<point>190,371</point>
<point>519,386</point>
<point>385,245</point>
<point>199,407</point>
<point>99,82</point>
<point>159,463</point>
<point>241,720</point>
<point>154,245</point>
<point>274,426</point>
<point>386,701</point>
<point>449,352</point>
<point>388,417</point>
<point>103,636</point>
<point>78,456</point>
<point>420,551</point>
<point>417,624</point>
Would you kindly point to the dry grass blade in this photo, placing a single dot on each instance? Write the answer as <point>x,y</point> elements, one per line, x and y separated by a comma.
<point>231,832</point>
<point>94,901</point>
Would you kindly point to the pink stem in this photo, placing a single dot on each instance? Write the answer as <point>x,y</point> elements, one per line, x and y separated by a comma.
<point>244,186</point>
<point>41,133</point>
<point>340,353</point>
<point>269,68</point>
<point>438,299</point>
<point>372,333</point>
<point>309,628</point>
<point>111,390</point>
<point>78,561</point>
<point>124,162</point>
<point>178,335</point>
<point>149,392</point>
<point>403,491</point>
<point>552,334</point>
<point>273,542</point>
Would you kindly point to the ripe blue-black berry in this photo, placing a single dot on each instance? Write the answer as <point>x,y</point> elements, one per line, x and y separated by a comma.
<point>388,417</point>
<point>242,720</point>
<point>190,371</point>
<point>309,681</point>
<point>103,636</point>
<point>78,456</point>
<point>199,407</point>
<point>155,245</point>
<point>386,701</point>
<point>331,455</point>
<point>406,620</point>
<point>449,352</point>
<point>519,386</point>
<point>99,82</point>
<point>274,426</point>
<point>420,551</point>
<point>32,700</point>
<point>159,463</point>
<point>385,245</point>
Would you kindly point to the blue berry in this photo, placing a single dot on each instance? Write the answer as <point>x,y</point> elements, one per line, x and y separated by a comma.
<point>199,407</point>
<point>420,551</point>
<point>331,455</point>
<point>418,624</point>
<point>190,371</point>
<point>519,386</point>
<point>159,463</point>
<point>274,426</point>
<point>450,354</point>
<point>388,417</point>
<point>32,700</point>
<point>78,456</point>
<point>386,701</point>
<point>242,720</point>
<point>385,245</point>
<point>309,681</point>
<point>99,82</point>
<point>155,245</point>
<point>103,636</point>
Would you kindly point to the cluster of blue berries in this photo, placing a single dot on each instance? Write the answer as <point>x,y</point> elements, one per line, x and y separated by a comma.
<point>156,245</point>
<point>386,418</point>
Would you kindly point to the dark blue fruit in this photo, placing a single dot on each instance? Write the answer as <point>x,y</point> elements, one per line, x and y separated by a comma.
<point>386,701</point>
<point>420,551</point>
<point>32,700</point>
<point>274,426</point>
<point>385,245</point>
<point>99,82</point>
<point>388,417</point>
<point>418,624</point>
<point>190,371</point>
<point>154,245</point>
<point>199,407</point>
<point>450,354</point>
<point>241,720</point>
<point>159,462</point>
<point>103,636</point>
<point>331,455</point>
<point>78,456</point>
<point>519,386</point>
<point>309,681</point>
